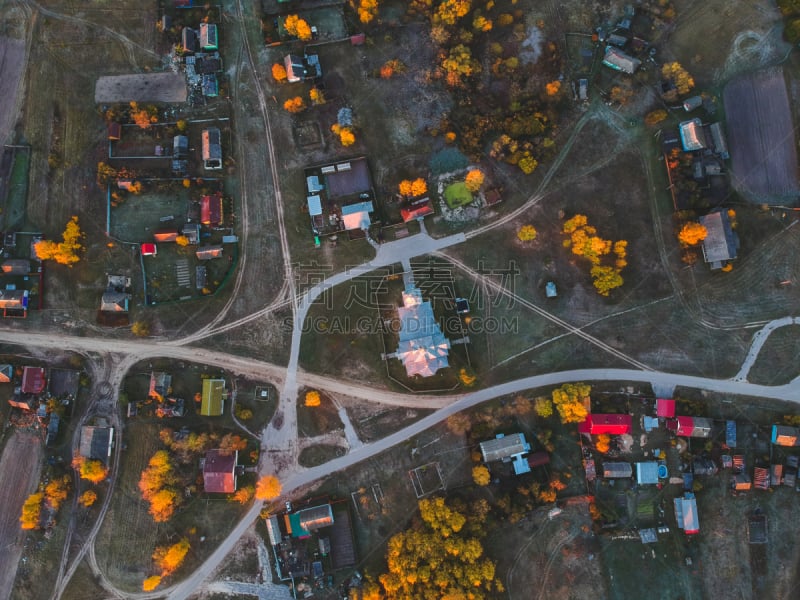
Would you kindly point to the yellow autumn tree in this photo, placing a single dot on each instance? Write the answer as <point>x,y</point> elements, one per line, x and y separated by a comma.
<point>474,180</point>
<point>56,491</point>
<point>31,510</point>
<point>268,487</point>
<point>605,279</point>
<point>481,475</point>
<point>66,252</point>
<point>91,470</point>
<point>418,187</point>
<point>243,495</point>
<point>313,398</point>
<point>366,10</point>
<point>467,377</point>
<point>316,96</point>
<point>679,76</point>
<point>279,72</point>
<point>182,240</point>
<point>297,27</point>
<point>603,443</point>
<point>527,233</point>
<point>143,117</point>
<point>87,498</point>
<point>553,88</point>
<point>151,583</point>
<point>481,23</point>
<point>346,135</point>
<point>692,233</point>
<point>543,407</point>
<point>404,187</point>
<point>449,11</point>
<point>294,105</point>
<point>569,401</point>
<point>169,558</point>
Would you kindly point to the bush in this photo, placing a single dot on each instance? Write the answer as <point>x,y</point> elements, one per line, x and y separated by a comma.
<point>447,160</point>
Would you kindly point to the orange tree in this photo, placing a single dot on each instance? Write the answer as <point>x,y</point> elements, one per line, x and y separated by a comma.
<point>692,233</point>
<point>31,510</point>
<point>294,105</point>
<point>268,487</point>
<point>569,401</point>
<point>313,398</point>
<point>279,72</point>
<point>297,27</point>
<point>90,469</point>
<point>87,498</point>
<point>65,252</point>
<point>155,485</point>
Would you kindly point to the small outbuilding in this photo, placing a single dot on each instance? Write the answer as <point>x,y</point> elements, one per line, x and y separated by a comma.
<point>617,470</point>
<point>686,513</point>
<point>213,398</point>
<point>783,435</point>
<point>647,473</point>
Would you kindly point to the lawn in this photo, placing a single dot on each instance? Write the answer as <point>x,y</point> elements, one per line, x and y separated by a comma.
<point>319,454</point>
<point>456,194</point>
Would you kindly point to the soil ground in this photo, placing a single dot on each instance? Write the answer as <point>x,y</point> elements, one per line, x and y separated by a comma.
<point>19,475</point>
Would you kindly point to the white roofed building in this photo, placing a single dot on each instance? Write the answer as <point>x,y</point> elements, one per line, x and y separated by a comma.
<point>423,348</point>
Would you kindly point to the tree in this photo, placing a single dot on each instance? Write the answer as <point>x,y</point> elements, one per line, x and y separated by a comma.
<point>458,63</point>
<point>449,11</point>
<point>553,88</point>
<point>481,23</point>
<point>316,96</point>
<point>154,484</point>
<point>182,240</point>
<point>605,279</point>
<point>169,558</point>
<point>313,398</point>
<point>66,251</point>
<point>458,423</point>
<point>91,470</point>
<point>543,407</point>
<point>367,10</point>
<point>31,510</point>
<point>294,105</point>
<point>467,377</point>
<point>404,187</point>
<point>418,187</point>
<point>143,117</point>
<point>151,583</point>
<point>474,180</point>
<point>603,443</point>
<point>231,443</point>
<point>655,117</point>
<point>297,27</point>
<point>56,491</point>
<point>105,173</point>
<point>181,125</point>
<point>678,76</point>
<point>390,67</point>
<point>243,495</point>
<point>140,329</point>
<point>692,233</point>
<point>791,30</point>
<point>345,133</point>
<point>163,504</point>
<point>279,73</point>
<point>268,487</point>
<point>569,401</point>
<point>481,475</point>
<point>527,233</point>
<point>87,498</point>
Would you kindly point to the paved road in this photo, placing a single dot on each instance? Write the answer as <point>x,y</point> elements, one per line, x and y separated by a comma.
<point>759,339</point>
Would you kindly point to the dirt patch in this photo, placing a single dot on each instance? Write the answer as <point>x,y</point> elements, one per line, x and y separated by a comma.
<point>144,87</point>
<point>12,63</point>
<point>761,135</point>
<point>19,474</point>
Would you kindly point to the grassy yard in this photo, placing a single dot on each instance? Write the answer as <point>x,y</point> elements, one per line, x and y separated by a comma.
<point>457,194</point>
<point>83,585</point>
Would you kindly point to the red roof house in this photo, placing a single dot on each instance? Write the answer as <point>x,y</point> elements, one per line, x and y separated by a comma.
<point>149,250</point>
<point>690,426</point>
<point>219,472</point>
<point>33,380</point>
<point>611,424</point>
<point>211,210</point>
<point>665,407</point>
<point>114,131</point>
<point>416,212</point>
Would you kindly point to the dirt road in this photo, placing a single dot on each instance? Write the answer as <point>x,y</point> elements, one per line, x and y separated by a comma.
<point>19,475</point>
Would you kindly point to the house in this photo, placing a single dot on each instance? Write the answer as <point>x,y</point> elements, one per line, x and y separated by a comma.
<point>210,85</point>
<point>180,146</point>
<point>692,135</point>
<point>114,131</point>
<point>647,473</point>
<point>721,242</point>
<point>189,40</point>
<point>6,373</point>
<point>612,424</point>
<point>702,466</point>
<point>165,235</point>
<point>741,482</point>
<point>296,68</point>
<point>219,472</point>
<point>690,426</point>
<point>761,478</point>
<point>616,59</point>
<point>192,232</point>
<point>208,252</point>
<point>213,398</point>
<point>686,513</point>
<point>617,470</point>
<point>33,380</point>
<point>212,148</point>
<point>356,216</point>
<point>116,302</point>
<point>211,210</point>
<point>423,349</point>
<point>692,103</point>
<point>417,210</point>
<point>665,408</point>
<point>208,37</point>
<point>16,266</point>
<point>719,141</point>
<point>785,436</point>
<point>317,517</point>
<point>148,249</point>
<point>14,302</point>
<point>507,448</point>
<point>776,475</point>
<point>96,442</point>
<point>160,385</point>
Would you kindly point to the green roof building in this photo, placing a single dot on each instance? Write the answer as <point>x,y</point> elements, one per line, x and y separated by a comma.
<point>213,402</point>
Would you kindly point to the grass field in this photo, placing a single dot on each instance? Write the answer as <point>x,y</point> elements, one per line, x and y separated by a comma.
<point>457,194</point>
<point>17,194</point>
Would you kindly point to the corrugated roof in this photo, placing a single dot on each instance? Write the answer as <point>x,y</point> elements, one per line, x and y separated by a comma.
<point>504,447</point>
<point>315,517</point>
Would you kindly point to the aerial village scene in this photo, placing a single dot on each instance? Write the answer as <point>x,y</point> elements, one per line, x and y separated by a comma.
<point>399,299</point>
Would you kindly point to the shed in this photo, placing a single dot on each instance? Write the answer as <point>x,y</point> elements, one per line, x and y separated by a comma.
<point>783,435</point>
<point>550,290</point>
<point>416,211</point>
<point>219,472</point>
<point>761,478</point>
<point>116,302</point>
<point>617,470</point>
<point>165,235</point>
<point>6,373</point>
<point>665,407</point>
<point>33,380</point>
<point>730,434</point>
<point>16,266</point>
<point>692,103</point>
<point>316,517</point>
<point>212,148</point>
<point>180,146</point>
<point>149,249</point>
<point>189,39</point>
<point>96,442</point>
<point>212,398</point>
<point>343,547</point>
<point>741,482</point>
<point>719,140</point>
<point>114,131</point>
<point>790,476</point>
<point>538,459</point>
<point>647,473</point>
<point>208,252</point>
<point>686,513</point>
